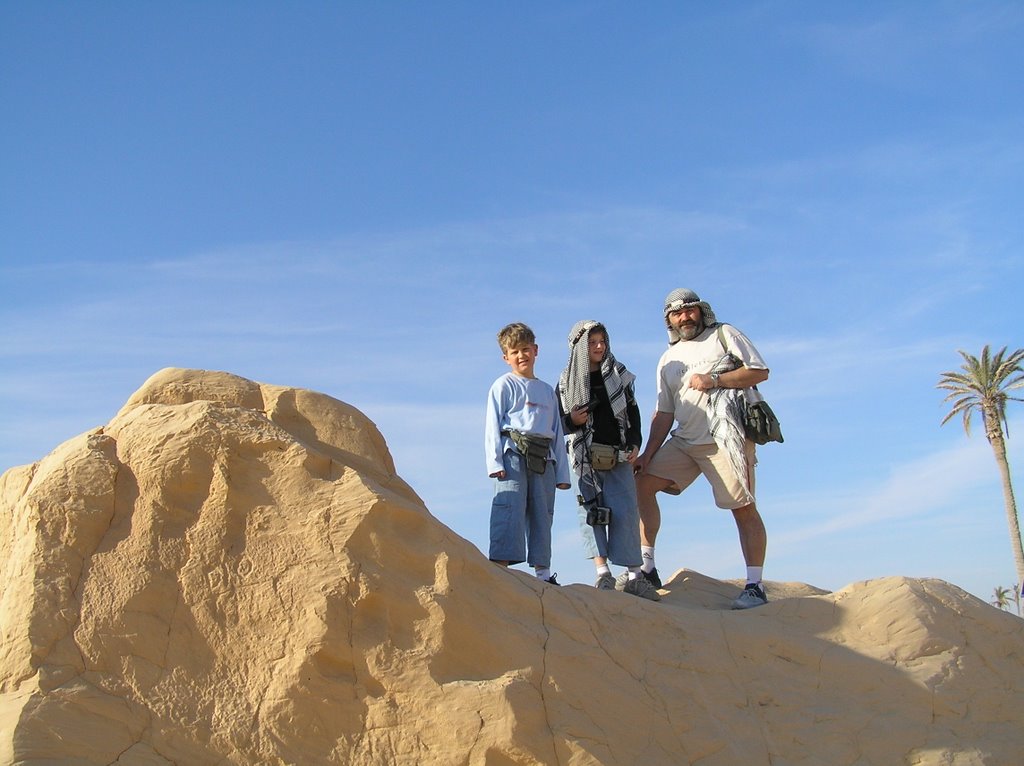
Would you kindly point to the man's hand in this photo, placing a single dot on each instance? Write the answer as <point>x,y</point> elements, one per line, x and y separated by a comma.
<point>640,463</point>
<point>661,424</point>
<point>701,382</point>
<point>500,475</point>
<point>563,486</point>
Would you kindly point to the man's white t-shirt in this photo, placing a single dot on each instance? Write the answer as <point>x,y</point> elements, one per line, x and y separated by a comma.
<point>680,361</point>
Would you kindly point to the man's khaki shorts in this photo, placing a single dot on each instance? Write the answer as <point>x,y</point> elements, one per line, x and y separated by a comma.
<point>681,464</point>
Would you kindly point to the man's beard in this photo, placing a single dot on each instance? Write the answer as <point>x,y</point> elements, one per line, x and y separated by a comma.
<point>691,331</point>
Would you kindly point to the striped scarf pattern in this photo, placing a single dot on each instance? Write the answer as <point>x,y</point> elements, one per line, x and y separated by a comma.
<point>574,389</point>
<point>726,411</point>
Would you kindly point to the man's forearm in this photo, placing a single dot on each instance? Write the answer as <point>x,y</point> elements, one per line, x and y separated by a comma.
<point>742,377</point>
<point>661,424</point>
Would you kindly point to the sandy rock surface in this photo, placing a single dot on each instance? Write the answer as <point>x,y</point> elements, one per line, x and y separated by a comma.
<point>232,573</point>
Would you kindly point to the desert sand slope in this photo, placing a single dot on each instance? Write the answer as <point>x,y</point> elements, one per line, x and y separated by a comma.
<point>232,573</point>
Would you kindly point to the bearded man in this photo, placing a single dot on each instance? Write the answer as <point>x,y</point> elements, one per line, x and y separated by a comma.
<point>703,378</point>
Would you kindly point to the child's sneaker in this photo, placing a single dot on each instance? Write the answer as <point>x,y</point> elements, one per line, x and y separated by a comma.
<point>753,595</point>
<point>641,587</point>
<point>605,582</point>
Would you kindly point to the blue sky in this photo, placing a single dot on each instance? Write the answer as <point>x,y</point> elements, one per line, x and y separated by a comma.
<point>355,197</point>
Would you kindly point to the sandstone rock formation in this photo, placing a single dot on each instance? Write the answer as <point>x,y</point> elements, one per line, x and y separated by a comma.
<point>233,573</point>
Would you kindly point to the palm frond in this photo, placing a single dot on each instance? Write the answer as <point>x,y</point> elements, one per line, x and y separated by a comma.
<point>981,385</point>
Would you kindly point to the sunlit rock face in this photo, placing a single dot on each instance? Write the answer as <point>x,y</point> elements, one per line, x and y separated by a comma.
<point>232,572</point>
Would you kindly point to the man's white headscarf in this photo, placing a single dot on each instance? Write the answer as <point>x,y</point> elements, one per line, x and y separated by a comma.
<point>682,298</point>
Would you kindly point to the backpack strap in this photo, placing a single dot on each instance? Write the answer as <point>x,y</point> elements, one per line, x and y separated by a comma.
<point>721,339</point>
<point>725,348</point>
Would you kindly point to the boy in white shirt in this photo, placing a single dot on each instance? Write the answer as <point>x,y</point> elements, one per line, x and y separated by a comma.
<point>525,454</point>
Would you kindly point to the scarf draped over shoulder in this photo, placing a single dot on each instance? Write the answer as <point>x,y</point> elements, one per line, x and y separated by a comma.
<point>574,389</point>
<point>726,412</point>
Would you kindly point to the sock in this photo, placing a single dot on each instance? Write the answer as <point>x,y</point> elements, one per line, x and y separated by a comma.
<point>603,569</point>
<point>543,573</point>
<point>754,574</point>
<point>633,573</point>
<point>647,553</point>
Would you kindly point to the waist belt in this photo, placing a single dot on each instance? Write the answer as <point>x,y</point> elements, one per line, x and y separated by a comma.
<point>534,448</point>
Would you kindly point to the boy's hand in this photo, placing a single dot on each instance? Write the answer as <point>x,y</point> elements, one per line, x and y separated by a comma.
<point>500,475</point>
<point>563,486</point>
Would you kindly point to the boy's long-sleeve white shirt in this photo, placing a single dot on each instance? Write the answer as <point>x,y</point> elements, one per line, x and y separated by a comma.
<point>527,405</point>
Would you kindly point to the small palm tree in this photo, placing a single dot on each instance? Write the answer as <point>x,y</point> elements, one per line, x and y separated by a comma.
<point>1000,597</point>
<point>981,386</point>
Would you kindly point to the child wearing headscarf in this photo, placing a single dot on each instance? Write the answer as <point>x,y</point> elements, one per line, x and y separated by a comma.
<point>602,424</point>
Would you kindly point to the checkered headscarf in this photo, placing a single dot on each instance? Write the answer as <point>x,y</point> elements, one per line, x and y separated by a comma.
<point>680,298</point>
<point>574,387</point>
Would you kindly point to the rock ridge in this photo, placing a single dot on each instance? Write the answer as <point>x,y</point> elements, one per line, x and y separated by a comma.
<point>231,572</point>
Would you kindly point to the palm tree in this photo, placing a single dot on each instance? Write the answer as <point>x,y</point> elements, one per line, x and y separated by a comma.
<point>981,386</point>
<point>1000,597</point>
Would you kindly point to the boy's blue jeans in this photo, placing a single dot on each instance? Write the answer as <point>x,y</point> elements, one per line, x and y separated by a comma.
<point>619,542</point>
<point>521,514</point>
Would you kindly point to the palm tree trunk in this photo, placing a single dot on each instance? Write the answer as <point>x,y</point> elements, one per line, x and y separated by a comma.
<point>999,448</point>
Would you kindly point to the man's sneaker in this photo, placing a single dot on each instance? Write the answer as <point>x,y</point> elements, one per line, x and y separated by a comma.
<point>641,587</point>
<point>753,595</point>
<point>605,582</point>
<point>652,577</point>
<point>552,581</point>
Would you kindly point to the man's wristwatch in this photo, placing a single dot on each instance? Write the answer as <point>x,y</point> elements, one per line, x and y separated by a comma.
<point>714,379</point>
